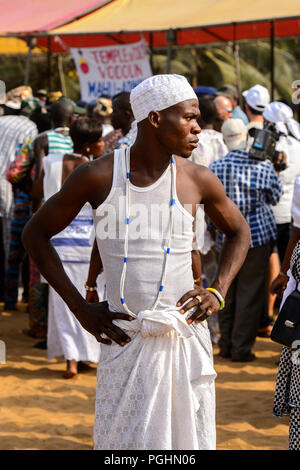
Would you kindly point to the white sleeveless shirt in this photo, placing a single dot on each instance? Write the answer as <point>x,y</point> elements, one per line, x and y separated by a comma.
<point>73,243</point>
<point>148,230</point>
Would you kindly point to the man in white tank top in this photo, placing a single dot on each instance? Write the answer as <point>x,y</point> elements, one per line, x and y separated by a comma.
<point>156,377</point>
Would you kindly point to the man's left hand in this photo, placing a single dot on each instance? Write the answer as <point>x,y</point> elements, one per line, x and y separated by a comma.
<point>206,302</point>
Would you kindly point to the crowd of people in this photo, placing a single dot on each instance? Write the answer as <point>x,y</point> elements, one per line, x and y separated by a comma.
<point>235,278</point>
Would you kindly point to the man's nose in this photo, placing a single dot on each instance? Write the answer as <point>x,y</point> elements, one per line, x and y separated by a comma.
<point>196,128</point>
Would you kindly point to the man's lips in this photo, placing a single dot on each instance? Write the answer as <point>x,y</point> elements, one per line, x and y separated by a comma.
<point>194,143</point>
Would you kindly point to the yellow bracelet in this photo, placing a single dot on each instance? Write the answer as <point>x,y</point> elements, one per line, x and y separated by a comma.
<point>218,295</point>
<point>90,289</point>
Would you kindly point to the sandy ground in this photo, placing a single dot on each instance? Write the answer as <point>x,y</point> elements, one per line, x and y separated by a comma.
<point>41,410</point>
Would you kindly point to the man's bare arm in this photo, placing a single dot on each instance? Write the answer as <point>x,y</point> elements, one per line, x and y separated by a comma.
<point>51,218</point>
<point>228,219</point>
<point>40,151</point>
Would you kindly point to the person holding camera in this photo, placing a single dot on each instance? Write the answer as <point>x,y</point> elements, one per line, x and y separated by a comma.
<point>280,114</point>
<point>253,186</point>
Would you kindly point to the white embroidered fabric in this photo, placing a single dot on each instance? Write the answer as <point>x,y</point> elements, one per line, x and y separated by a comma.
<point>157,392</point>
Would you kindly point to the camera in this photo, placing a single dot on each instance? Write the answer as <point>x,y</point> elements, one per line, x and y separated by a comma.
<point>264,145</point>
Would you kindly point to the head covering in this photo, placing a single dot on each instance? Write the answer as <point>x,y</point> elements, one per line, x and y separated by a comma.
<point>42,92</point>
<point>257,97</point>
<point>54,96</point>
<point>294,128</point>
<point>228,90</point>
<point>205,90</point>
<point>30,104</point>
<point>235,134</point>
<point>159,92</point>
<point>281,128</point>
<point>103,107</point>
<point>77,109</point>
<point>278,112</point>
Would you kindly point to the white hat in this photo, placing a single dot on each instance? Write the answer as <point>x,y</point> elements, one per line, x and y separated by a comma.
<point>159,92</point>
<point>257,97</point>
<point>278,112</point>
<point>235,134</point>
<point>294,128</point>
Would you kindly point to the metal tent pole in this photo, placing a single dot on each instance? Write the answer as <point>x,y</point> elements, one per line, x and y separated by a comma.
<point>171,36</point>
<point>28,60</point>
<point>272,59</point>
<point>236,56</point>
<point>49,57</point>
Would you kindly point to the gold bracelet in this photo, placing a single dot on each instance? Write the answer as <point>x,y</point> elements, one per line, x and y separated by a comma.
<point>90,289</point>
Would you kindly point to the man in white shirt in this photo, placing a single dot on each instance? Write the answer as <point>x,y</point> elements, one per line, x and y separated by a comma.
<point>257,99</point>
<point>280,114</point>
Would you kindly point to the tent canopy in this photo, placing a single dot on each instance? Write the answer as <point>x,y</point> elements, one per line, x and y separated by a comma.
<point>195,22</point>
<point>15,46</point>
<point>18,16</point>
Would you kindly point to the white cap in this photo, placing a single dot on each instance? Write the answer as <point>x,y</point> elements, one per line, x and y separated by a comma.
<point>159,92</point>
<point>294,128</point>
<point>278,112</point>
<point>235,134</point>
<point>257,97</point>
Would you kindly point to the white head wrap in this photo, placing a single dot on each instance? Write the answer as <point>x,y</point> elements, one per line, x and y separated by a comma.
<point>278,112</point>
<point>281,127</point>
<point>159,92</point>
<point>294,128</point>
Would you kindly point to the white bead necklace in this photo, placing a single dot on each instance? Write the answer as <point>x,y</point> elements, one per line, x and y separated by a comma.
<point>77,155</point>
<point>61,129</point>
<point>127,218</point>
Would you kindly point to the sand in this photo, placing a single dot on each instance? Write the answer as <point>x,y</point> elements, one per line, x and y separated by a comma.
<point>41,410</point>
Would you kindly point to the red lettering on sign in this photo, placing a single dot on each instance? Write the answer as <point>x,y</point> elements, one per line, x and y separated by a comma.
<point>95,54</point>
<point>101,72</point>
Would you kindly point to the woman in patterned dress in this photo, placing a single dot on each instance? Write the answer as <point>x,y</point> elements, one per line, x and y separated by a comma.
<point>287,393</point>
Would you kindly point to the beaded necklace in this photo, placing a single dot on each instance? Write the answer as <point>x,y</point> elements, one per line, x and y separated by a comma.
<point>61,129</point>
<point>77,155</point>
<point>127,218</point>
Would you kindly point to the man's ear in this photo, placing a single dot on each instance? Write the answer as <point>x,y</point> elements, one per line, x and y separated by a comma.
<point>154,118</point>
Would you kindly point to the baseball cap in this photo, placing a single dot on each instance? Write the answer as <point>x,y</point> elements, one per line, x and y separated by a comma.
<point>257,97</point>
<point>205,90</point>
<point>235,134</point>
<point>77,109</point>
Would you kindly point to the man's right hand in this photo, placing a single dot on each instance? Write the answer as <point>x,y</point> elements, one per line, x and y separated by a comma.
<point>97,319</point>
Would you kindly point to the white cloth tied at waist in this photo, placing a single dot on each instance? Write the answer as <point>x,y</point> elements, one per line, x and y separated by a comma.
<point>157,323</point>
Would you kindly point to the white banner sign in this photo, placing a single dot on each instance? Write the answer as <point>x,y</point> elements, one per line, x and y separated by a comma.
<point>111,69</point>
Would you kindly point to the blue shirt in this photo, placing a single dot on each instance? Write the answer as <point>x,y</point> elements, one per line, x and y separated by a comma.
<point>253,186</point>
<point>238,113</point>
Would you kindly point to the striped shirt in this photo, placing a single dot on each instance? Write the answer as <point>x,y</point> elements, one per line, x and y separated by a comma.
<point>14,131</point>
<point>58,143</point>
<point>253,186</point>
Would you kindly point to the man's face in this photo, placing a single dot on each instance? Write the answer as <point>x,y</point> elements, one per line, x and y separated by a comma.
<point>178,128</point>
<point>119,116</point>
<point>224,111</point>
